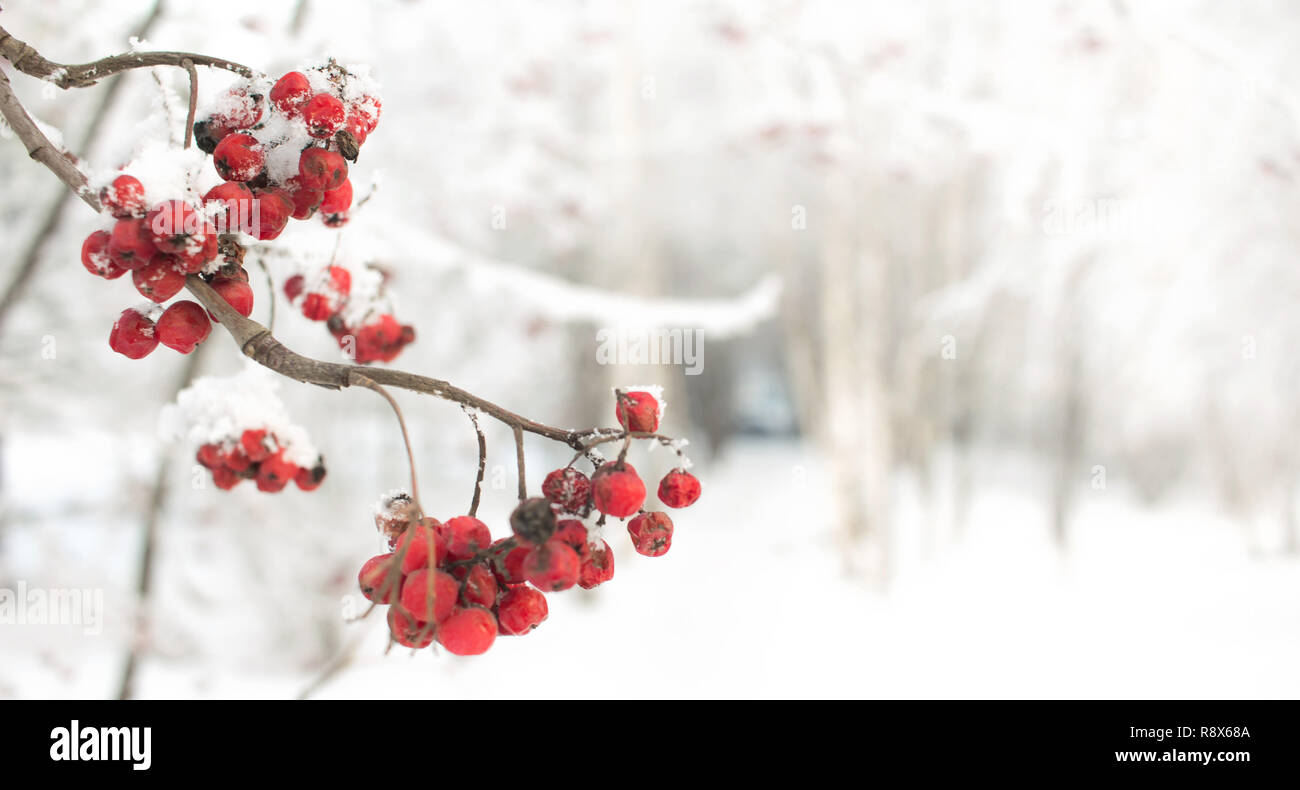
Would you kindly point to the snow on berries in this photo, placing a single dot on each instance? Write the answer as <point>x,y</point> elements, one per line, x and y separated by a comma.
<point>291,142</point>
<point>638,410</point>
<point>243,432</point>
<point>354,307</point>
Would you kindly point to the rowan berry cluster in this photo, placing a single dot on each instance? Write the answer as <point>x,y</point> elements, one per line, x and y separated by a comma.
<point>366,335</point>
<point>284,153</point>
<point>451,582</point>
<point>259,455</point>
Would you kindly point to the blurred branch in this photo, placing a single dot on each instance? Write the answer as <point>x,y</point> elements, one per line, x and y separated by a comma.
<point>49,225</point>
<point>139,639</point>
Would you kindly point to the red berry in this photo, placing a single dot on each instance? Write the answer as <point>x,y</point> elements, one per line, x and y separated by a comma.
<point>225,478</point>
<point>395,514</point>
<point>679,488</point>
<point>183,326</point>
<point>290,92</point>
<point>480,586</point>
<point>570,489</point>
<point>552,566</point>
<point>209,455</point>
<point>319,169</point>
<point>255,446</point>
<point>337,200</point>
<point>521,610</point>
<point>430,595</point>
<point>158,280</point>
<point>421,536</point>
<point>274,473</point>
<point>637,411</point>
<point>309,477</point>
<point>237,293</point>
<point>324,115</point>
<point>237,206</point>
<point>293,287</point>
<point>380,340</point>
<point>652,533</point>
<point>508,565</point>
<point>178,229</point>
<point>271,212</point>
<point>130,245</point>
<point>133,335</point>
<point>236,460</point>
<point>574,533</point>
<point>597,567</point>
<point>617,492</point>
<point>96,258</point>
<point>238,157</point>
<point>407,631</point>
<point>465,537</point>
<point>124,198</point>
<point>468,632</point>
<point>340,280</point>
<point>373,579</point>
<point>318,307</point>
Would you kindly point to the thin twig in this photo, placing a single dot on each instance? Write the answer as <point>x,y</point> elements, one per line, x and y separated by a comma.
<point>369,383</point>
<point>188,65</point>
<point>519,461</point>
<point>482,462</point>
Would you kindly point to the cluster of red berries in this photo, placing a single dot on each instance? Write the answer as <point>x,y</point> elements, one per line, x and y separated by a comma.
<point>284,155</point>
<point>257,454</point>
<point>324,295</point>
<point>450,582</point>
<point>160,246</point>
<point>182,325</point>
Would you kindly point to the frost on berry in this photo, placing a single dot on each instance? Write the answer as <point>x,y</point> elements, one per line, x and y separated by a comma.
<point>570,489</point>
<point>552,566</point>
<point>679,488</point>
<point>96,259</point>
<point>597,566</point>
<point>394,513</point>
<point>468,632</point>
<point>124,197</point>
<point>637,411</point>
<point>617,492</point>
<point>133,334</point>
<point>533,521</point>
<point>521,610</point>
<point>652,533</point>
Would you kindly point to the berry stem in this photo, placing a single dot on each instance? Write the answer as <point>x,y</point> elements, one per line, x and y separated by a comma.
<point>482,461</point>
<point>519,461</point>
<point>188,65</point>
<point>366,382</point>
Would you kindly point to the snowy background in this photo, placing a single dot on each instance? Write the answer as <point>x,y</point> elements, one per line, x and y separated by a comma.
<point>998,388</point>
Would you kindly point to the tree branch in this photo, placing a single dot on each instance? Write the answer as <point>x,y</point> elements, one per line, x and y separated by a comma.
<point>254,340</point>
<point>81,75</point>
